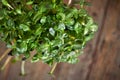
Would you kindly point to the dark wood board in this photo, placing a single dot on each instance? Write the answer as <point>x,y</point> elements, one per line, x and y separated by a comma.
<point>101,58</point>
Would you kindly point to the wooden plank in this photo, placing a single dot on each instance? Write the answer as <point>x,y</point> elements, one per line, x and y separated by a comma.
<point>106,63</point>
<point>2,50</point>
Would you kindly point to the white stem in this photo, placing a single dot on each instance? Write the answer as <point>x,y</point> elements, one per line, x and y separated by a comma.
<point>6,62</point>
<point>69,2</point>
<point>5,53</point>
<point>53,68</point>
<point>22,68</point>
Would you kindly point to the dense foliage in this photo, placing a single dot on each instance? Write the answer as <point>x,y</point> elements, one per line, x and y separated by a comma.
<point>58,32</point>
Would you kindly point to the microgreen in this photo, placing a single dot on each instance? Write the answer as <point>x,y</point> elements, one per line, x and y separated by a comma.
<point>56,31</point>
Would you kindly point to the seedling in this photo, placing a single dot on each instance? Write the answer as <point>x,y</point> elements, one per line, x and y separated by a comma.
<point>57,31</point>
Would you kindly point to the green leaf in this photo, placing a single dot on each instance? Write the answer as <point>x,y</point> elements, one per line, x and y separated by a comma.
<point>43,19</point>
<point>38,31</point>
<point>72,60</point>
<point>61,16</point>
<point>82,13</point>
<point>87,38</point>
<point>7,4</point>
<point>18,11</point>
<point>93,27</point>
<point>90,21</point>
<point>53,1</point>
<point>29,3</point>
<point>78,27</point>
<point>24,27</point>
<point>27,54</point>
<point>61,26</point>
<point>42,8</point>
<point>36,57</point>
<point>76,46</point>
<point>37,16</point>
<point>3,14</point>
<point>10,23</point>
<point>70,22</point>
<point>22,47</point>
<point>86,31</point>
<point>72,53</point>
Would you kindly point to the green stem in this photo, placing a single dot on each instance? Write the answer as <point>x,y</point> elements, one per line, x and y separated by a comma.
<point>53,68</point>
<point>82,3</point>
<point>23,68</point>
<point>6,62</point>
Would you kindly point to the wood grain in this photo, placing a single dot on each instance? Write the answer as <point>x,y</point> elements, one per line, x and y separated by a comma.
<point>105,66</point>
<point>101,58</point>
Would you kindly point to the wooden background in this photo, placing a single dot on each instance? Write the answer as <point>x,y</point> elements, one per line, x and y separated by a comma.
<point>101,58</point>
